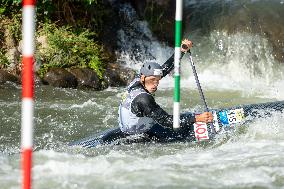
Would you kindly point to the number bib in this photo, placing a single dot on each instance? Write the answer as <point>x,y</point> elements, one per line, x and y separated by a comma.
<point>200,130</point>
<point>232,116</point>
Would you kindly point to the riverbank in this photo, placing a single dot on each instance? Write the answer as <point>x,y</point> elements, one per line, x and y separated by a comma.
<point>102,42</point>
<point>69,53</point>
<point>81,78</point>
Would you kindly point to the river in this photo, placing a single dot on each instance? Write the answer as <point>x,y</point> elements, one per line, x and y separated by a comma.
<point>234,69</point>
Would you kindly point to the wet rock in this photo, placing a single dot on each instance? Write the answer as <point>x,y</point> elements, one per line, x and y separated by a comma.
<point>127,75</point>
<point>257,17</point>
<point>59,77</point>
<point>109,36</point>
<point>5,77</point>
<point>159,15</point>
<point>10,44</point>
<point>139,6</point>
<point>38,80</point>
<point>87,78</point>
<point>112,79</point>
<point>116,76</point>
<point>250,19</point>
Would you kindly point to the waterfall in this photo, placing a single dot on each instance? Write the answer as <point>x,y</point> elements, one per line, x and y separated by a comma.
<point>243,59</point>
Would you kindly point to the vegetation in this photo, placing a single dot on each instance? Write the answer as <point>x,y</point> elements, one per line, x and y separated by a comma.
<point>68,48</point>
<point>159,16</point>
<point>3,59</point>
<point>154,14</point>
<point>10,28</point>
<point>72,30</point>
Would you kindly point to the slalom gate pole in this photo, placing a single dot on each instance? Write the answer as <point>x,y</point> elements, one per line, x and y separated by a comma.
<point>178,28</point>
<point>200,90</point>
<point>28,30</point>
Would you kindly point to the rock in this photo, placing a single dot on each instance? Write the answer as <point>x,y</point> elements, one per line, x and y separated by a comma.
<point>127,75</point>
<point>118,76</point>
<point>87,78</point>
<point>159,14</point>
<point>37,79</point>
<point>250,19</point>
<point>5,77</point>
<point>112,78</point>
<point>109,34</point>
<point>11,46</point>
<point>139,6</point>
<point>59,77</point>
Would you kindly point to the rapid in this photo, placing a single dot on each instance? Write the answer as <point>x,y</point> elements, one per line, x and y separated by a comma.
<point>233,69</point>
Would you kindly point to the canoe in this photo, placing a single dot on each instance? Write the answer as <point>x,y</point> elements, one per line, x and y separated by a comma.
<point>224,119</point>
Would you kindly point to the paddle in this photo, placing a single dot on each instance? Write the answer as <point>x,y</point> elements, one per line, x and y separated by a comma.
<point>184,46</point>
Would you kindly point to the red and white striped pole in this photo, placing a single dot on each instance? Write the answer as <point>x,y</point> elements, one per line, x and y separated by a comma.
<point>28,31</point>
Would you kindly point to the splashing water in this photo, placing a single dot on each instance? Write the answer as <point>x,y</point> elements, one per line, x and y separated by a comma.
<point>233,69</point>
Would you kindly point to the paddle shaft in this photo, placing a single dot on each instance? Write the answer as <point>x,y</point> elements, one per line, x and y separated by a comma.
<point>200,89</point>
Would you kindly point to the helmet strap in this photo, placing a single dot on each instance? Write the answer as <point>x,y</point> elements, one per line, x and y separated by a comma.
<point>143,82</point>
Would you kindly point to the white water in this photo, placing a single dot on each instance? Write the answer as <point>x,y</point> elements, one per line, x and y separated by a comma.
<point>237,62</point>
<point>233,69</point>
<point>231,62</point>
<point>253,159</point>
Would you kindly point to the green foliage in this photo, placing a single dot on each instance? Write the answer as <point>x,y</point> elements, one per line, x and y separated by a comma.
<point>15,28</point>
<point>68,48</point>
<point>9,7</point>
<point>44,10</point>
<point>70,42</point>
<point>10,28</point>
<point>3,59</point>
<point>96,64</point>
<point>154,14</point>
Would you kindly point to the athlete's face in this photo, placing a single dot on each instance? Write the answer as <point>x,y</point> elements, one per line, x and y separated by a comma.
<point>151,82</point>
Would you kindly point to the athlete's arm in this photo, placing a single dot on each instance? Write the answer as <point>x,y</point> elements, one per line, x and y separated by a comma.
<point>145,105</point>
<point>168,66</point>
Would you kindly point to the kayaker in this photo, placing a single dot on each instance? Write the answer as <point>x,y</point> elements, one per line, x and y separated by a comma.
<point>138,110</point>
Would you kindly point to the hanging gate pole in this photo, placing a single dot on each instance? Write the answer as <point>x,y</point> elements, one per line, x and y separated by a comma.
<point>178,28</point>
<point>28,30</point>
